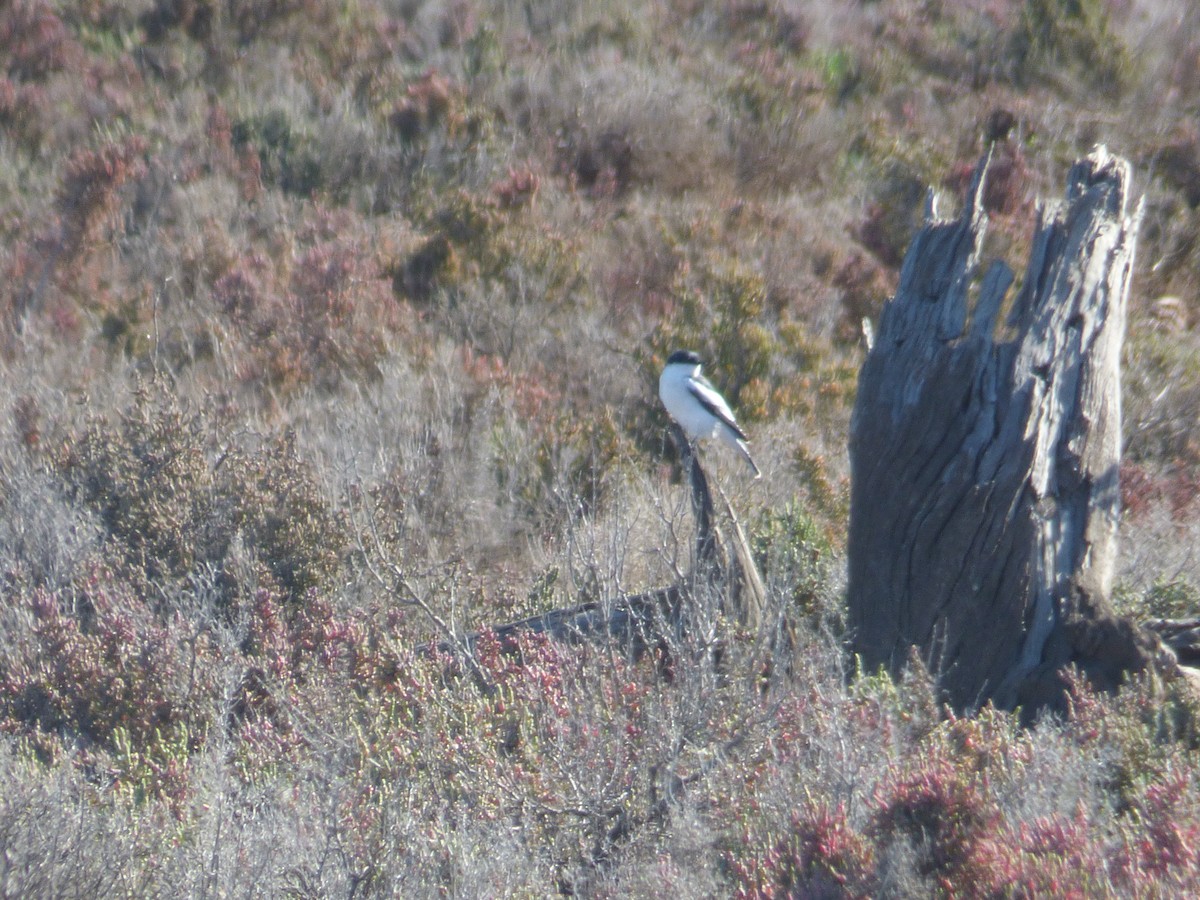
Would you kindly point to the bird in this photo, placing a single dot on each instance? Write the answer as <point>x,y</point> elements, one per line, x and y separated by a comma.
<point>698,407</point>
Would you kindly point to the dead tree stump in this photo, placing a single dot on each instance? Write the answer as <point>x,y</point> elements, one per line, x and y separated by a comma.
<point>984,456</point>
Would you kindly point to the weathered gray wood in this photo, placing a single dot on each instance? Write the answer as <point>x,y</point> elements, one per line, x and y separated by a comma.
<point>985,456</point>
<point>1182,636</point>
<point>658,618</point>
<point>635,623</point>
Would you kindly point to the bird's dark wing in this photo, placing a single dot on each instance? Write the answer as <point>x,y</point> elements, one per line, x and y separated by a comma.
<point>708,397</point>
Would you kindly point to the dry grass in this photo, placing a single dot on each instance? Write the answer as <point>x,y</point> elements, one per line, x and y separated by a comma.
<point>328,329</point>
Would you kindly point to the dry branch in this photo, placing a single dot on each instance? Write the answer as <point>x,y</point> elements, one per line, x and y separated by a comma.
<point>657,618</point>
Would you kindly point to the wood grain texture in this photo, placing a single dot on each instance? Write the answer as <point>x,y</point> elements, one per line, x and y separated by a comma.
<point>985,454</point>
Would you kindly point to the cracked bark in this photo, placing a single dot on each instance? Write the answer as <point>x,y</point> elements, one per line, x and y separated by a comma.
<point>984,456</point>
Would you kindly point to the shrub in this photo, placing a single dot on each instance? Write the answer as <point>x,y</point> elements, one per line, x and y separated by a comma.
<point>286,153</point>
<point>1074,34</point>
<point>894,213</point>
<point>822,857</point>
<point>1055,856</point>
<point>147,481</point>
<point>941,811</point>
<point>865,286</point>
<point>1164,847</point>
<point>36,41</point>
<point>717,312</point>
<point>1171,599</point>
<point>327,317</point>
<point>98,671</point>
<point>1147,733</point>
<point>173,511</point>
<point>431,101</point>
<point>740,344</point>
<point>792,552</point>
<point>1160,392</point>
<point>85,205</point>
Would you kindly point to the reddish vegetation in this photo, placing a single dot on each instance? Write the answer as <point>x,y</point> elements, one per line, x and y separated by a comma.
<point>329,333</point>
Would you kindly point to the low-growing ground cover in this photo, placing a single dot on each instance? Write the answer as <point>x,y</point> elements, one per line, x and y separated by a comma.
<point>328,329</point>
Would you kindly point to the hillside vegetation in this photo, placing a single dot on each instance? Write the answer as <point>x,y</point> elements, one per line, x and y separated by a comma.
<point>330,330</point>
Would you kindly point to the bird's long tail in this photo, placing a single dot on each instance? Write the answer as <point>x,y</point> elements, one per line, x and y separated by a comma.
<point>735,440</point>
<point>749,459</point>
<point>745,451</point>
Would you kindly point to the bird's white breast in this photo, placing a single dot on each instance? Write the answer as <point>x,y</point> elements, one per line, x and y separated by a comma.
<point>683,407</point>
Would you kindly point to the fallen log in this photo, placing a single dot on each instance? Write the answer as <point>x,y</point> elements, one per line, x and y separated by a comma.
<point>1182,636</point>
<point>662,617</point>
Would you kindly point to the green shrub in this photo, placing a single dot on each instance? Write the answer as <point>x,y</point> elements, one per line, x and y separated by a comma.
<point>173,508</point>
<point>285,151</point>
<point>1171,599</point>
<point>452,244</point>
<point>794,554</point>
<point>1074,35</point>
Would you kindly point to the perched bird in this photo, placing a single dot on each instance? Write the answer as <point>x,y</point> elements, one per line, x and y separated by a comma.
<point>697,406</point>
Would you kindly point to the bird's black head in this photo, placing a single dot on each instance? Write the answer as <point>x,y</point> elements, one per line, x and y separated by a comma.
<point>683,356</point>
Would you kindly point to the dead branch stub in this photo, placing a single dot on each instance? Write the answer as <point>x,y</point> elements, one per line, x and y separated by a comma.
<point>658,618</point>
